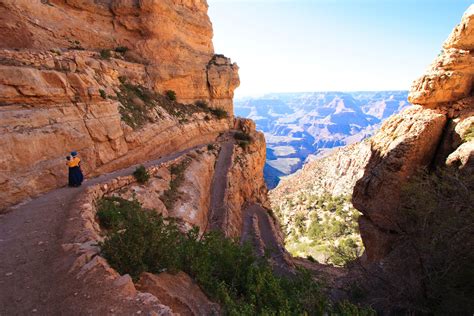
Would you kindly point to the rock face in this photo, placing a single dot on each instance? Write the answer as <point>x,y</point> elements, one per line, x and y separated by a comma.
<point>404,144</point>
<point>299,127</point>
<point>173,38</point>
<point>449,78</point>
<point>334,174</point>
<point>58,93</point>
<point>245,179</point>
<point>179,292</point>
<point>438,130</point>
<point>432,133</point>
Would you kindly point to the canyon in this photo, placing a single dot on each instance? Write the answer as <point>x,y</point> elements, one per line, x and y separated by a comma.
<point>136,85</point>
<point>300,127</point>
<point>429,137</point>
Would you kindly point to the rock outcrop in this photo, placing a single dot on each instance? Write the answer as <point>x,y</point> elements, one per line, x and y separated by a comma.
<point>63,87</point>
<point>436,131</point>
<point>430,134</point>
<point>179,292</point>
<point>245,179</point>
<point>173,38</point>
<point>334,174</point>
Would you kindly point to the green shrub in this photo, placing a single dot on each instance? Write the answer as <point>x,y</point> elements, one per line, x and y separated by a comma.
<point>243,144</point>
<point>113,212</point>
<point>219,113</point>
<point>141,174</point>
<point>105,54</point>
<point>437,223</point>
<point>76,45</point>
<point>345,308</point>
<point>242,136</point>
<point>121,49</point>
<point>138,104</point>
<point>201,104</point>
<point>330,224</point>
<point>469,136</point>
<point>346,251</point>
<point>123,80</point>
<point>171,95</point>
<point>170,196</point>
<point>227,271</point>
<point>211,147</point>
<point>134,113</point>
<point>103,94</point>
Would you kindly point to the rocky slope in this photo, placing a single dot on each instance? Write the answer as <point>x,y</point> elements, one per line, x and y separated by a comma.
<point>301,126</point>
<point>172,38</point>
<point>431,133</point>
<point>67,89</point>
<point>100,85</point>
<point>412,183</point>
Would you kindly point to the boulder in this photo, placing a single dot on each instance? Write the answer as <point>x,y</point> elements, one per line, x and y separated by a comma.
<point>179,292</point>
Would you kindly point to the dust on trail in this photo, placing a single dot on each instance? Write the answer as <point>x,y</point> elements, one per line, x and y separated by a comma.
<point>258,228</point>
<point>34,276</point>
<point>218,209</point>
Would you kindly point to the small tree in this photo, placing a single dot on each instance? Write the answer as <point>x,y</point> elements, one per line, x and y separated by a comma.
<point>220,113</point>
<point>141,174</point>
<point>103,94</point>
<point>171,95</point>
<point>201,104</point>
<point>121,49</point>
<point>105,54</point>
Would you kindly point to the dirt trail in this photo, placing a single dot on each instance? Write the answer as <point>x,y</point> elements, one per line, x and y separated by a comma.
<point>218,209</point>
<point>258,228</point>
<point>33,277</point>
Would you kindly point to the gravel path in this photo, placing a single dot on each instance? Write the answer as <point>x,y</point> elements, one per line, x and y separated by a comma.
<point>264,231</point>
<point>33,267</point>
<point>218,209</point>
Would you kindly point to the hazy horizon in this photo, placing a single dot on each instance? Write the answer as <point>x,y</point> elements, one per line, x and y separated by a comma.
<point>240,97</point>
<point>331,45</point>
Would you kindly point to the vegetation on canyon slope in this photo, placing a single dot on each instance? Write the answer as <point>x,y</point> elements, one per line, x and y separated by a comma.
<point>141,174</point>
<point>438,226</point>
<point>170,196</point>
<point>140,105</point>
<point>139,240</point>
<point>320,226</point>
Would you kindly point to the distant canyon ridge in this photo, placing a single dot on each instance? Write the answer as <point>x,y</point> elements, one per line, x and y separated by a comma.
<point>302,126</point>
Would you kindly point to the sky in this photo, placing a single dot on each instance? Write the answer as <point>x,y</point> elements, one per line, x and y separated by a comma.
<point>331,45</point>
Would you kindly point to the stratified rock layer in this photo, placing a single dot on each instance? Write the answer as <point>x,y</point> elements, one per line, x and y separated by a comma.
<point>245,179</point>
<point>60,81</point>
<point>173,38</point>
<point>438,130</point>
<point>179,292</point>
<point>432,133</point>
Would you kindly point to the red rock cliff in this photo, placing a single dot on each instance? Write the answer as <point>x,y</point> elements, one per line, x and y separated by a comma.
<point>59,92</point>
<point>429,134</point>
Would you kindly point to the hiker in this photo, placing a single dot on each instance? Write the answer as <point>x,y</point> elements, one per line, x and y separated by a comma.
<point>75,174</point>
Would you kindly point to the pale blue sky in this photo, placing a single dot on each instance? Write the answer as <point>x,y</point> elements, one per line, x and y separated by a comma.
<point>319,45</point>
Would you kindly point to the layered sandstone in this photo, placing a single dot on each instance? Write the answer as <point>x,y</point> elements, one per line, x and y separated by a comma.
<point>173,38</point>
<point>179,292</point>
<point>58,93</point>
<point>334,174</point>
<point>245,179</point>
<point>430,134</point>
<point>192,204</point>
